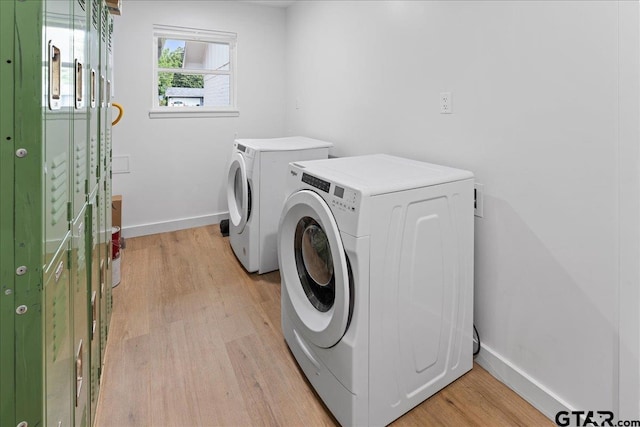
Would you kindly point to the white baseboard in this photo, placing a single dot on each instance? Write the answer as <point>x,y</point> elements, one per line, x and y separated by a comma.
<point>173,225</point>
<point>528,388</point>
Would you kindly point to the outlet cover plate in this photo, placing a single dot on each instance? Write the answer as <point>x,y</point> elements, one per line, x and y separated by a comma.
<point>478,200</point>
<point>446,106</point>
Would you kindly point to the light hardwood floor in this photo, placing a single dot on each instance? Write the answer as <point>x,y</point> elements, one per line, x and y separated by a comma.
<point>196,341</point>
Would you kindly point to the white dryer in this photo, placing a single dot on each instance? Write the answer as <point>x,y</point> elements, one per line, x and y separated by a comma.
<point>256,193</point>
<point>376,260</point>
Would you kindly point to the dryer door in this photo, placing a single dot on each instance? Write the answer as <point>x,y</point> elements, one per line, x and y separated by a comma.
<point>238,191</point>
<point>314,269</point>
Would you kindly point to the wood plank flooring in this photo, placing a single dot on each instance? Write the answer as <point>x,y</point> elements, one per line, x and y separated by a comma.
<point>196,341</point>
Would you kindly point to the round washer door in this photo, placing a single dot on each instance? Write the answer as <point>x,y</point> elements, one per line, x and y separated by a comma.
<point>314,268</point>
<point>238,191</point>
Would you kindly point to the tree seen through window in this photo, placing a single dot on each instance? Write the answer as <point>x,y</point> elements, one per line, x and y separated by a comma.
<point>174,59</point>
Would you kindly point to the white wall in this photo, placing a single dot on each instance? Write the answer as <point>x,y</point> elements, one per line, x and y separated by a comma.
<point>629,209</point>
<point>537,118</point>
<point>178,168</point>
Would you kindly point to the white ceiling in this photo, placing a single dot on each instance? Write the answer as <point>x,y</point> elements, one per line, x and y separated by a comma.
<point>272,3</point>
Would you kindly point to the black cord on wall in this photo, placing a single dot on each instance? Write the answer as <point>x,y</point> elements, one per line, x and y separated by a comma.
<point>476,339</point>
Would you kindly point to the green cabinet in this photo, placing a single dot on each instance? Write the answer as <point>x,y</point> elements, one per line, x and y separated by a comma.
<point>58,342</point>
<point>80,296</point>
<point>93,274</point>
<point>55,216</point>
<point>102,266</point>
<point>57,82</point>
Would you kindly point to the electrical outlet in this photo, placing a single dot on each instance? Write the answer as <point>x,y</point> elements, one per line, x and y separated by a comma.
<point>446,106</point>
<point>478,200</point>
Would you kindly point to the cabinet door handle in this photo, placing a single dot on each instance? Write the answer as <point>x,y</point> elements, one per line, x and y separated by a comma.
<point>79,84</point>
<point>55,72</point>
<point>79,374</point>
<point>93,89</point>
<point>94,315</point>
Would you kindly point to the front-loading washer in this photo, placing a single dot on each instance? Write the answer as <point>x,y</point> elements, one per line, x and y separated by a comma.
<point>376,263</point>
<point>255,194</point>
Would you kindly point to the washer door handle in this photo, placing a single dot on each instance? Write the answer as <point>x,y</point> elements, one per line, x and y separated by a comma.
<point>306,351</point>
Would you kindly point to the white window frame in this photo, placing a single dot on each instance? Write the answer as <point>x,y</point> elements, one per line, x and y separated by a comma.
<point>192,34</point>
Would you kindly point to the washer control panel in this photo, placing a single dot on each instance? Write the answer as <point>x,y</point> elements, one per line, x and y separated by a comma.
<point>343,199</point>
<point>340,198</point>
<point>248,152</point>
<point>320,184</point>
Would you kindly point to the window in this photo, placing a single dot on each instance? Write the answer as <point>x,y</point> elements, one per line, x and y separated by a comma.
<point>194,73</point>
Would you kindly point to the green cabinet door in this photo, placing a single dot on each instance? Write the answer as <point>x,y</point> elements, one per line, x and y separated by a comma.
<point>103,260</point>
<point>81,75</point>
<point>58,350</point>
<point>81,304</point>
<point>93,43</point>
<point>108,245</point>
<point>57,76</point>
<point>105,92</point>
<point>30,62</point>
<point>93,256</point>
<point>7,263</point>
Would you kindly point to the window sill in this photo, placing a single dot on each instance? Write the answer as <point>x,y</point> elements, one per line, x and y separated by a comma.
<point>172,113</point>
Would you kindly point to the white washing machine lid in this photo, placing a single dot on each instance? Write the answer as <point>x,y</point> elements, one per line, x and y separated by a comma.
<point>381,173</point>
<point>238,191</point>
<point>314,269</point>
<point>284,144</point>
